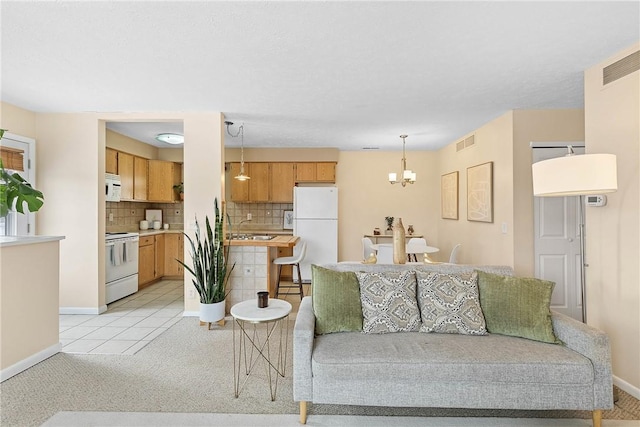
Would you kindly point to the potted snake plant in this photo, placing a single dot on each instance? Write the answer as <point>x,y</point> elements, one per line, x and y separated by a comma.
<point>209,267</point>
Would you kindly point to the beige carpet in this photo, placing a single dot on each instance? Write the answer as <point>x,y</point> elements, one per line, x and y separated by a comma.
<point>188,369</point>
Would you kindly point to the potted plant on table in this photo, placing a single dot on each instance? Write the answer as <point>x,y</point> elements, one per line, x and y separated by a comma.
<point>210,273</point>
<point>389,220</point>
<point>14,188</point>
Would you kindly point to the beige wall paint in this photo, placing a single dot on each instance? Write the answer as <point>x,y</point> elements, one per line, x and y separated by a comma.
<point>70,172</point>
<point>283,154</point>
<point>539,126</point>
<point>171,154</point>
<point>612,118</point>
<point>365,196</point>
<point>18,121</point>
<point>28,325</point>
<point>482,243</point>
<point>203,178</point>
<point>121,142</point>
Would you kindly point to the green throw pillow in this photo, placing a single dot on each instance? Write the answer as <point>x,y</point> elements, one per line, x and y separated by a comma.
<point>336,300</point>
<point>517,306</point>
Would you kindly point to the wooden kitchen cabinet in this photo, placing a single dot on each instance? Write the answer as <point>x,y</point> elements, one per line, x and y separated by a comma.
<point>140,171</point>
<point>125,170</point>
<point>239,189</point>
<point>111,161</point>
<point>150,259</point>
<point>163,176</point>
<point>282,182</point>
<point>173,249</point>
<point>255,189</point>
<point>259,182</point>
<point>316,172</point>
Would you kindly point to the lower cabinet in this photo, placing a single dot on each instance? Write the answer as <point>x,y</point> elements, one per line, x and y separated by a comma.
<point>150,259</point>
<point>173,249</point>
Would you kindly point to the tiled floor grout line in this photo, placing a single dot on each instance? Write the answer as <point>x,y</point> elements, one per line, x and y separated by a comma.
<point>131,323</point>
<point>128,324</point>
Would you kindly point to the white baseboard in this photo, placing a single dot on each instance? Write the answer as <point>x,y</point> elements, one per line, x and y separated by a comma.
<point>25,364</point>
<point>82,310</point>
<point>629,388</point>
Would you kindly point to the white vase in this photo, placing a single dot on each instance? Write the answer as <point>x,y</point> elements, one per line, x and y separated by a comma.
<point>211,313</point>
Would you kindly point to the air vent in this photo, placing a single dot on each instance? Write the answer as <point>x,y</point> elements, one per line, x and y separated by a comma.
<point>469,141</point>
<point>370,148</point>
<point>621,68</point>
<point>466,143</point>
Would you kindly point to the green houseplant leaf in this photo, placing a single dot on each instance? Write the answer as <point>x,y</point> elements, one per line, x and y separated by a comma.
<point>209,260</point>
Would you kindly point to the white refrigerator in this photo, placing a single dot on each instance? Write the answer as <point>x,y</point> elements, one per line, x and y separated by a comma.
<point>315,221</point>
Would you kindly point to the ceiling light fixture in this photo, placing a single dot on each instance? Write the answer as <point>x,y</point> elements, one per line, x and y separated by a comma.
<point>170,138</point>
<point>242,176</point>
<point>407,175</point>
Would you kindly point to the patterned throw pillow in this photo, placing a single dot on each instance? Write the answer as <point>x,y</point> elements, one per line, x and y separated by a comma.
<point>449,303</point>
<point>389,302</point>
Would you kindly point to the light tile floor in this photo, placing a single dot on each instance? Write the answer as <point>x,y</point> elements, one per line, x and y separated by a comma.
<point>128,324</point>
<point>132,322</point>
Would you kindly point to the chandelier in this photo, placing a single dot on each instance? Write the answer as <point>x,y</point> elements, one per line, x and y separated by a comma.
<point>241,176</point>
<point>407,176</point>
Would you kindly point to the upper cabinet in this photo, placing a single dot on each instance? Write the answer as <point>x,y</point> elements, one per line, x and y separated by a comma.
<point>316,172</point>
<point>282,182</point>
<point>142,179</point>
<point>274,182</point>
<point>162,176</point>
<point>111,161</point>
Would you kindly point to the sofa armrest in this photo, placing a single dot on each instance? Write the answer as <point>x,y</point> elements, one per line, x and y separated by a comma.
<point>594,345</point>
<point>303,333</point>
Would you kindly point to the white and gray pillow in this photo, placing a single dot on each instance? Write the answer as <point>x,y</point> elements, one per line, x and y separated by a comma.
<point>449,303</point>
<point>389,302</point>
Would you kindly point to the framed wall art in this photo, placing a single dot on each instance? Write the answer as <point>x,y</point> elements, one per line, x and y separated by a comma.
<point>288,220</point>
<point>449,195</point>
<point>480,192</point>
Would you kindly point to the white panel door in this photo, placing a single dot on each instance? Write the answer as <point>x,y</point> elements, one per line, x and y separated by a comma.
<point>557,244</point>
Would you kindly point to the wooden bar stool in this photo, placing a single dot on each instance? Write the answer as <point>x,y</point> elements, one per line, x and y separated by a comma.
<point>294,261</point>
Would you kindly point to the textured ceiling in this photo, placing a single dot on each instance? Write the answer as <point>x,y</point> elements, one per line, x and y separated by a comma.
<point>312,74</point>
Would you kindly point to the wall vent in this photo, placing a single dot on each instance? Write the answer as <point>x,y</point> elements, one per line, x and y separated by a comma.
<point>469,141</point>
<point>465,143</point>
<point>621,68</point>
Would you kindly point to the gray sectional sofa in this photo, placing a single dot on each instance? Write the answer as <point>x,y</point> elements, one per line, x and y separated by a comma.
<point>444,370</point>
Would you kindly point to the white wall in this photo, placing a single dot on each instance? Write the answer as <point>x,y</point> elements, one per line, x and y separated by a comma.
<point>612,125</point>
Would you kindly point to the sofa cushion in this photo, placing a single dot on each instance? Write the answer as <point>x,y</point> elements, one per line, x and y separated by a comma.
<point>517,306</point>
<point>336,301</point>
<point>389,302</point>
<point>449,303</point>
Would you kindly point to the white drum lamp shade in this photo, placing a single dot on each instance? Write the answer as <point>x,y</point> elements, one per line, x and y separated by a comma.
<point>575,175</point>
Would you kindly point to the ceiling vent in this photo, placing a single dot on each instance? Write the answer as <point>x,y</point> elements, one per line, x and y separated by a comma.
<point>621,68</point>
<point>465,143</point>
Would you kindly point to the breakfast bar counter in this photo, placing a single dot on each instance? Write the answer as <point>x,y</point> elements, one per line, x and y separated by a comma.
<point>254,269</point>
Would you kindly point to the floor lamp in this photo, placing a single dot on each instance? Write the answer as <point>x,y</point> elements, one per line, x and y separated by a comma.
<point>576,175</point>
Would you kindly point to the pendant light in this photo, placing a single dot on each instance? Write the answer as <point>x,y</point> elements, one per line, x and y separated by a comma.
<point>407,176</point>
<point>242,176</point>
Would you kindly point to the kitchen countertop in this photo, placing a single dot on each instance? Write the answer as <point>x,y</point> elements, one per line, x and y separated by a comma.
<point>154,232</point>
<point>27,240</point>
<point>278,241</point>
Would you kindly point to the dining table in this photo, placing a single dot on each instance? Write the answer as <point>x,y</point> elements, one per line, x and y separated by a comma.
<point>412,249</point>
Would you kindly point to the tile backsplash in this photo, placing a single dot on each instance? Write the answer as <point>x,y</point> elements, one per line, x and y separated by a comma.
<point>264,216</point>
<point>127,215</point>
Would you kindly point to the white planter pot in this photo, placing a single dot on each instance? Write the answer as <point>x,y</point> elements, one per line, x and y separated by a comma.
<point>212,312</point>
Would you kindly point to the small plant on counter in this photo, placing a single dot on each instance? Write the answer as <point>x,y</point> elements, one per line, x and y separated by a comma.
<point>209,257</point>
<point>14,188</point>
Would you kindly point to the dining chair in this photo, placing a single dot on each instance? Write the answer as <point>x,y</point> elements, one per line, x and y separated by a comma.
<point>385,254</point>
<point>301,249</point>
<point>453,258</point>
<point>367,247</point>
<point>415,241</point>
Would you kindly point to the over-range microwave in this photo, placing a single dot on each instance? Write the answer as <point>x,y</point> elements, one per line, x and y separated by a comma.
<point>112,184</point>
